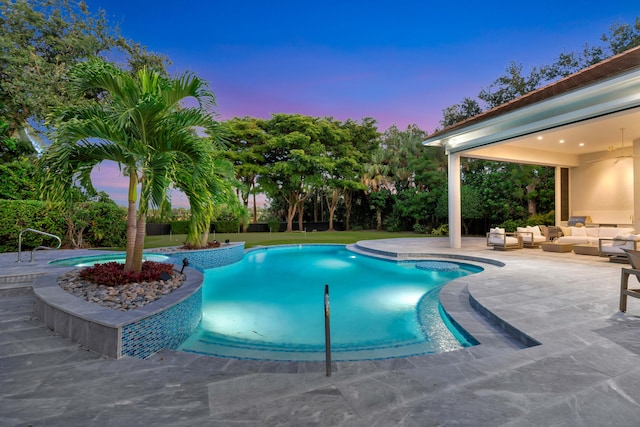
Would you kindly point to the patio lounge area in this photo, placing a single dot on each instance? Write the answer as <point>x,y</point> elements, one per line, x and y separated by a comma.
<point>585,371</point>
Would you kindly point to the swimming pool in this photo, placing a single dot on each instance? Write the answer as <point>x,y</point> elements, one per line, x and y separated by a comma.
<point>270,306</point>
<point>90,260</point>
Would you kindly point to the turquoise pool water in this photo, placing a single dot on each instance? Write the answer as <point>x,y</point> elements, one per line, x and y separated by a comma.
<point>88,261</point>
<point>270,306</point>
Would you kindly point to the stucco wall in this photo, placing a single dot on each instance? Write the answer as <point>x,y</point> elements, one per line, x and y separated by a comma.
<point>603,188</point>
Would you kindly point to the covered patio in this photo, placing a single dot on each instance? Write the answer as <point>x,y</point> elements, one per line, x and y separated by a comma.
<point>586,125</point>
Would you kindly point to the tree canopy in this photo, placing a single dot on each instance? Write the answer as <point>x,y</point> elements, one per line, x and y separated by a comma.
<point>40,41</point>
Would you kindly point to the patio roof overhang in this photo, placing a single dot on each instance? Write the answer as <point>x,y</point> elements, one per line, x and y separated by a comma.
<point>585,111</point>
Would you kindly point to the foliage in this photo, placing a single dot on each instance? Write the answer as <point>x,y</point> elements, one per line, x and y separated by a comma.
<point>295,158</point>
<point>16,215</point>
<point>139,123</point>
<point>274,225</point>
<point>460,112</point>
<point>511,225</point>
<point>226,226</point>
<point>247,141</point>
<point>114,274</point>
<point>19,180</point>
<point>96,224</point>
<point>442,230</point>
<point>40,41</point>
<point>106,228</point>
<point>12,148</point>
<point>420,229</point>
<point>548,218</point>
<point>179,227</point>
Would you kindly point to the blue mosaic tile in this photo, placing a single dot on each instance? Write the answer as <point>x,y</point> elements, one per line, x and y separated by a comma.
<point>167,329</point>
<point>203,259</point>
<point>171,327</point>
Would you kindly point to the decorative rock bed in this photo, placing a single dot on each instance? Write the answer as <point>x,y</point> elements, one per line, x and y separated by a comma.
<point>123,298</point>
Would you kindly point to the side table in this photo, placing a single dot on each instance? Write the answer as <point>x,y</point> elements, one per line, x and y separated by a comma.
<point>586,250</point>
<point>556,247</point>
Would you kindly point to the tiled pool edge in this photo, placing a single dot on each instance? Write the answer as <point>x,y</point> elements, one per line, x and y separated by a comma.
<point>202,259</point>
<point>137,333</point>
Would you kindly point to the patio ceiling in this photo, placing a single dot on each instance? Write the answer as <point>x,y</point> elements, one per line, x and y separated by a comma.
<point>564,145</point>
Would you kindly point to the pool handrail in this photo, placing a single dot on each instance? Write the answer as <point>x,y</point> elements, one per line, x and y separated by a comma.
<point>39,247</point>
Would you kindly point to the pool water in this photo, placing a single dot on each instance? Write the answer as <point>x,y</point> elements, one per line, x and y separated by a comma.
<point>91,260</point>
<point>270,306</point>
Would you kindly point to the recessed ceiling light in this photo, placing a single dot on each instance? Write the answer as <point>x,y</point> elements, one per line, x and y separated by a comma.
<point>581,144</point>
<point>561,141</point>
<point>539,138</point>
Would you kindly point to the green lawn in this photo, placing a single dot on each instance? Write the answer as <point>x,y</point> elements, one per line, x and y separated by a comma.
<point>266,239</point>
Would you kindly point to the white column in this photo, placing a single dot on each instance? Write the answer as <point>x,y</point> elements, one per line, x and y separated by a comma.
<point>558,187</point>
<point>455,212</point>
<point>636,184</point>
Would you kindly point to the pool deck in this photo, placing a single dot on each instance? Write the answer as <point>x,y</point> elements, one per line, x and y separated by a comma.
<point>585,372</point>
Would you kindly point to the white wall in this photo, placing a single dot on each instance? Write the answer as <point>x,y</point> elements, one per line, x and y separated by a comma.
<point>602,187</point>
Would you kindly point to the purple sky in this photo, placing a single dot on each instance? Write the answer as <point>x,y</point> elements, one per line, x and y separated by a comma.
<point>399,62</point>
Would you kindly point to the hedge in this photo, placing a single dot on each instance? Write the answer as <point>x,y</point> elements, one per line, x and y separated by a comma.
<point>107,224</point>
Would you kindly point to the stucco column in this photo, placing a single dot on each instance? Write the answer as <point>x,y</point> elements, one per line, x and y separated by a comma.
<point>558,195</point>
<point>455,213</point>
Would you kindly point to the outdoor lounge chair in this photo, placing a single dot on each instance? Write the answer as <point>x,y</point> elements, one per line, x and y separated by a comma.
<point>616,248</point>
<point>499,239</point>
<point>531,236</point>
<point>634,259</point>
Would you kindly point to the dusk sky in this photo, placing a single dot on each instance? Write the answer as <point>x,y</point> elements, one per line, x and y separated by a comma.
<point>399,62</point>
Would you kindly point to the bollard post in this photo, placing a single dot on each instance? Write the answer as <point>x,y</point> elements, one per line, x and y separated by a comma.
<point>327,330</point>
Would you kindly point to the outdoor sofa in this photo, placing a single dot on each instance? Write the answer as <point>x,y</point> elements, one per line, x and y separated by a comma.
<point>591,235</point>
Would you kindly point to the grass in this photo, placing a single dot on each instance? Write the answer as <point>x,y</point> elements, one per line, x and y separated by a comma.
<point>296,237</point>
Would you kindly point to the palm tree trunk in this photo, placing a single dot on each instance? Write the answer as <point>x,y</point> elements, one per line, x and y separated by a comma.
<point>141,231</point>
<point>205,238</point>
<point>131,220</point>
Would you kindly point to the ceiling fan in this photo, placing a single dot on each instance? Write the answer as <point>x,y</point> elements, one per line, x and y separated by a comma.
<point>612,149</point>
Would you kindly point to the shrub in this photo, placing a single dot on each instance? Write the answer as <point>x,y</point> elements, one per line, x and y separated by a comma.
<point>226,226</point>
<point>443,230</point>
<point>100,224</point>
<point>113,274</point>
<point>274,225</point>
<point>543,219</point>
<point>419,228</point>
<point>179,227</point>
<point>511,225</point>
<point>16,215</point>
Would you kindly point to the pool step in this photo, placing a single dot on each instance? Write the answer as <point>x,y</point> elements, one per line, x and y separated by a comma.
<point>17,284</point>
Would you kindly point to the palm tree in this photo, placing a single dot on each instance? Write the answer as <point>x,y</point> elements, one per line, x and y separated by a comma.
<point>377,179</point>
<point>205,191</point>
<point>138,122</point>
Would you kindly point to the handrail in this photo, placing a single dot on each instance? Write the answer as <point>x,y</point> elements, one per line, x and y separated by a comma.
<point>39,247</point>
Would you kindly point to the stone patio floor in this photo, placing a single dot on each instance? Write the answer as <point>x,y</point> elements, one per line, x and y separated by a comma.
<point>585,372</point>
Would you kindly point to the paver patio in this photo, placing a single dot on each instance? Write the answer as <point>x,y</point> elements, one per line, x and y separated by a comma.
<point>586,372</point>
